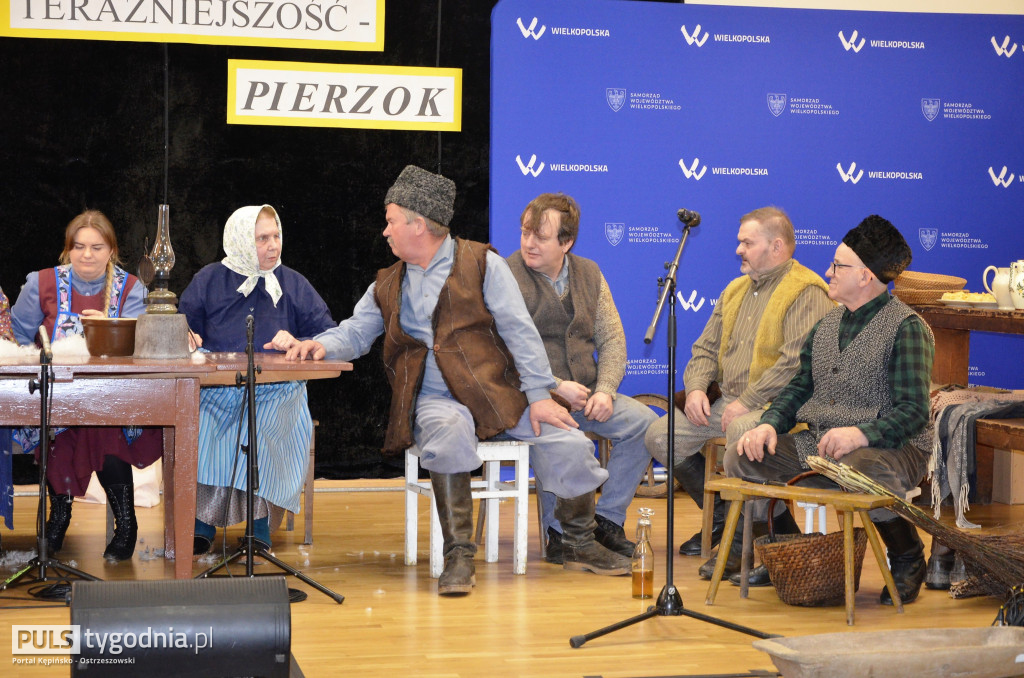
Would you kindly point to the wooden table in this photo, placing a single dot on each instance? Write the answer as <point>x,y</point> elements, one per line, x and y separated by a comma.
<point>142,392</point>
<point>952,329</point>
<point>846,504</point>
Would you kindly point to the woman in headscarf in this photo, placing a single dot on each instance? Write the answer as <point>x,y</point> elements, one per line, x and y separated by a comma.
<point>283,305</point>
<point>88,282</point>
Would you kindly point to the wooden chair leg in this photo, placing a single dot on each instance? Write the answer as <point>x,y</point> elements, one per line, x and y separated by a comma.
<point>731,520</point>
<point>848,573</point>
<point>710,451</point>
<point>307,492</point>
<point>883,565</point>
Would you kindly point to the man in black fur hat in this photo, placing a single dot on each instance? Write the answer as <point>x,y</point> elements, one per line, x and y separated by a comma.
<point>863,390</point>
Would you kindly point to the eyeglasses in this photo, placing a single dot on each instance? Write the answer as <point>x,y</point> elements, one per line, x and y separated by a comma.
<point>264,239</point>
<point>836,264</point>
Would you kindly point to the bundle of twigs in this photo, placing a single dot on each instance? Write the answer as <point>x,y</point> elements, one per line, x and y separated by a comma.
<point>998,557</point>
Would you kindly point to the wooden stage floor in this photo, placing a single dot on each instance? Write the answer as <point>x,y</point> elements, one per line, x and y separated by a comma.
<point>392,622</point>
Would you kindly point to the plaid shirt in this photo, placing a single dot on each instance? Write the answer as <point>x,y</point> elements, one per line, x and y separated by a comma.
<point>910,369</point>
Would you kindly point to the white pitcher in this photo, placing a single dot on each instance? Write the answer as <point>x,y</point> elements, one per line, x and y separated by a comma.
<point>1017,283</point>
<point>1000,288</point>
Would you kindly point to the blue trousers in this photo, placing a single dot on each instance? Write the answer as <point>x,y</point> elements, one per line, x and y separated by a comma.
<point>628,460</point>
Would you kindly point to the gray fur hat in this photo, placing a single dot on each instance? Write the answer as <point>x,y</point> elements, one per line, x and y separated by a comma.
<point>429,194</point>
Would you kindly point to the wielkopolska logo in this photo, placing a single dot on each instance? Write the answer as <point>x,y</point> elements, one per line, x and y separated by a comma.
<point>689,304</point>
<point>928,237</point>
<point>776,103</point>
<point>531,30</point>
<point>1001,179</point>
<point>694,38</point>
<point>853,175</point>
<point>1005,48</point>
<point>930,108</point>
<point>528,168</point>
<point>852,43</point>
<point>616,97</point>
<point>690,171</point>
<point>613,232</point>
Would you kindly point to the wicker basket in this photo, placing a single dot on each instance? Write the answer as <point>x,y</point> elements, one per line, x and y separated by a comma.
<point>919,297</point>
<point>914,280</point>
<point>808,569</point>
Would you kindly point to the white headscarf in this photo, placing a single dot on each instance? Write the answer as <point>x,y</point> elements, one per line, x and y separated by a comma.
<point>240,247</point>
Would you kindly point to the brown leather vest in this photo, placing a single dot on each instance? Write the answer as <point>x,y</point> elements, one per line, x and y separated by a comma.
<point>474,360</point>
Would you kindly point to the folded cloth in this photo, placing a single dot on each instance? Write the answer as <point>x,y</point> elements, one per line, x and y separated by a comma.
<point>953,448</point>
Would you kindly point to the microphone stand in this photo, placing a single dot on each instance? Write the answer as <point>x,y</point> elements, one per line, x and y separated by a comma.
<point>250,547</point>
<point>42,562</point>
<point>670,603</point>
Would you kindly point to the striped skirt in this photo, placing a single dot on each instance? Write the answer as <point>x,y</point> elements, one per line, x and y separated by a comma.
<point>283,431</point>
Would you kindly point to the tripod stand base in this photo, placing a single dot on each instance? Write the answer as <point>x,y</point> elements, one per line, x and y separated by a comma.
<point>24,576</point>
<point>670,604</point>
<point>250,550</point>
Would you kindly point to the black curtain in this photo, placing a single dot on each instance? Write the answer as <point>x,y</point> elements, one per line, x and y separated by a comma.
<point>83,127</point>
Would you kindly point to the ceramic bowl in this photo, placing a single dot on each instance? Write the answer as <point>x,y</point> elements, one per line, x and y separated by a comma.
<point>109,336</point>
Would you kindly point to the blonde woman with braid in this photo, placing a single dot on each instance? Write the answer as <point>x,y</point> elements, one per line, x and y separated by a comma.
<point>88,282</point>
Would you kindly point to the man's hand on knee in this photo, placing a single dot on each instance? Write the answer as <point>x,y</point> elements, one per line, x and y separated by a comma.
<point>754,443</point>
<point>698,408</point>
<point>839,442</point>
<point>547,411</point>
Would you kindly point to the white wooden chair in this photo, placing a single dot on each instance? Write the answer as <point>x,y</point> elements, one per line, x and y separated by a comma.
<point>490,489</point>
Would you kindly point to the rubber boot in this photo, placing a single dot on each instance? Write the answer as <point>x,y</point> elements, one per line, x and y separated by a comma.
<point>126,529</point>
<point>580,550</point>
<point>735,555</point>
<point>454,500</point>
<point>906,559</point>
<point>940,565</point>
<point>610,535</point>
<point>59,520</point>
<point>202,541</point>
<point>758,576</point>
<point>690,474</point>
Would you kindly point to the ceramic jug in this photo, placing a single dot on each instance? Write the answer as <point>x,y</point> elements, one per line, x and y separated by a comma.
<point>1000,288</point>
<point>1017,283</point>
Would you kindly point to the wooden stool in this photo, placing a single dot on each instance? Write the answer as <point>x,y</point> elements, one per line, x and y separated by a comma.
<point>845,503</point>
<point>711,450</point>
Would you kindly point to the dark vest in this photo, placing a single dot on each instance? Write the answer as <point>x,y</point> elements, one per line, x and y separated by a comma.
<point>851,386</point>
<point>566,329</point>
<point>474,361</point>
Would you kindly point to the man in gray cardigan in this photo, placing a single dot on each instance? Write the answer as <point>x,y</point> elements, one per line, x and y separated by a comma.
<point>570,303</point>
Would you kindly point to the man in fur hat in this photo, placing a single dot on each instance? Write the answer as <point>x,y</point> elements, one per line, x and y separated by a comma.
<point>862,389</point>
<point>465,363</point>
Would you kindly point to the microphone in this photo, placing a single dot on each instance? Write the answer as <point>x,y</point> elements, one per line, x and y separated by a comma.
<point>249,326</point>
<point>47,351</point>
<point>689,218</point>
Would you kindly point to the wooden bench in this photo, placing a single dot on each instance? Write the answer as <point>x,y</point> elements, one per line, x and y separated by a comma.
<point>846,504</point>
<point>1000,434</point>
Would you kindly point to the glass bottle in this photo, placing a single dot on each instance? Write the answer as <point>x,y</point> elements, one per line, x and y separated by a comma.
<point>643,557</point>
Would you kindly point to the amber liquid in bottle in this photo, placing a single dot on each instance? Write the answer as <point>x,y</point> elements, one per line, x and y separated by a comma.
<point>643,557</point>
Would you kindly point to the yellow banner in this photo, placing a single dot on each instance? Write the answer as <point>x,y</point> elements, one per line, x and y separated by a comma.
<point>339,95</point>
<point>355,25</point>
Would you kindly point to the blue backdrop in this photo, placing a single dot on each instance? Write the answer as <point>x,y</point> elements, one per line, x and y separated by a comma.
<point>639,109</point>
